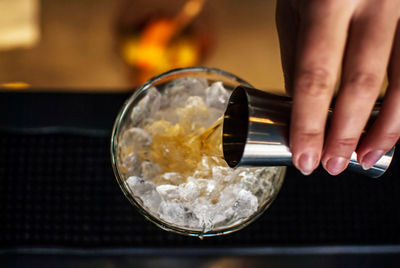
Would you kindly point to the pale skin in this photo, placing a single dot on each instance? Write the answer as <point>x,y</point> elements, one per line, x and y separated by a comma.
<point>358,41</point>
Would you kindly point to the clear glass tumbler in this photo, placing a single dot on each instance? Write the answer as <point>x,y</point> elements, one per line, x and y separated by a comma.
<point>123,122</point>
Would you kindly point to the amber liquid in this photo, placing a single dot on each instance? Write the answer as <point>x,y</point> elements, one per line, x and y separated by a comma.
<point>209,134</point>
<point>177,149</point>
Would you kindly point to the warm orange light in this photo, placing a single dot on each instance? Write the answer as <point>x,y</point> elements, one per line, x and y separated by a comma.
<point>261,120</point>
<point>15,85</point>
<point>161,46</point>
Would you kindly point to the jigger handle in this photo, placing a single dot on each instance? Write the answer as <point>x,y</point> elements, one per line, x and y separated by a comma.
<point>376,170</point>
<point>256,131</point>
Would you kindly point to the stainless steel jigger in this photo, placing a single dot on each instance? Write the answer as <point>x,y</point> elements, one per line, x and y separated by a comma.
<point>256,131</point>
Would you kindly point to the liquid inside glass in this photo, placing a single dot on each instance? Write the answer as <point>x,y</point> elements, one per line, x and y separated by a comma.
<point>172,160</point>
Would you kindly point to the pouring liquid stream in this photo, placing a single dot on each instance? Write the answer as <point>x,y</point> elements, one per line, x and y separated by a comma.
<point>211,130</point>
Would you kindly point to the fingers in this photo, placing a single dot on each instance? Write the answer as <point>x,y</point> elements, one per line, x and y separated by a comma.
<point>365,62</point>
<point>320,45</point>
<point>386,129</point>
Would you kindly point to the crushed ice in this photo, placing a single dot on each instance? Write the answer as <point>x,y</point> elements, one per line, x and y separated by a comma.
<point>210,196</point>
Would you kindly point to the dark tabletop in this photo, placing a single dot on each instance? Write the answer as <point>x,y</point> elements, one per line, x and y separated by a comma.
<point>57,190</point>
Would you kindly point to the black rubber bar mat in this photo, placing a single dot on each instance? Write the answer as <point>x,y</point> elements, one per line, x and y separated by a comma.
<point>62,112</point>
<point>58,190</point>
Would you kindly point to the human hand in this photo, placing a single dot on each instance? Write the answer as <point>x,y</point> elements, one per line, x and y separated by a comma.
<point>360,38</point>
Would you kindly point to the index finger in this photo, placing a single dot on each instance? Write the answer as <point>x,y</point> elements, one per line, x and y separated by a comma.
<point>320,46</point>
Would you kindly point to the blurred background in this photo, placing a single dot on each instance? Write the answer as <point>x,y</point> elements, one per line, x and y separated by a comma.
<point>103,45</point>
<point>59,203</point>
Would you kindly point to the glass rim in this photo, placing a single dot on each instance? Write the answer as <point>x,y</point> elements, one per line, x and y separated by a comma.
<point>155,220</point>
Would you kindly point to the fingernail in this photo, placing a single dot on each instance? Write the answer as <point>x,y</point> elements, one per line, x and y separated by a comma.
<point>371,158</point>
<point>307,163</point>
<point>336,165</point>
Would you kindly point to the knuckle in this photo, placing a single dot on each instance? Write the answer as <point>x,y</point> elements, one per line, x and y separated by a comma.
<point>307,135</point>
<point>363,83</point>
<point>316,82</point>
<point>390,136</point>
<point>345,143</point>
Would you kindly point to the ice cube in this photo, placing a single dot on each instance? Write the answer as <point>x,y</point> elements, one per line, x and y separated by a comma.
<point>266,173</point>
<point>193,85</point>
<point>195,102</point>
<point>135,137</point>
<point>228,213</point>
<point>170,115</point>
<point>147,106</point>
<point>158,128</point>
<point>139,186</point>
<point>165,101</point>
<point>191,219</point>
<point>145,191</point>
<point>172,212</point>
<point>205,186</point>
<point>168,192</point>
<point>172,177</point>
<point>205,166</point>
<point>154,97</point>
<point>219,219</point>
<point>228,195</point>
<point>131,165</point>
<point>202,208</point>
<point>177,214</point>
<point>152,200</point>
<point>249,181</point>
<point>222,174</point>
<point>148,121</point>
<point>193,114</point>
<point>266,179</point>
<point>217,96</point>
<point>188,192</point>
<point>181,89</point>
<point>149,170</point>
<point>246,204</point>
<point>259,181</point>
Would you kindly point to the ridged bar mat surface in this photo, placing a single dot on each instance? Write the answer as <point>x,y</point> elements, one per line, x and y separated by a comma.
<point>59,191</point>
